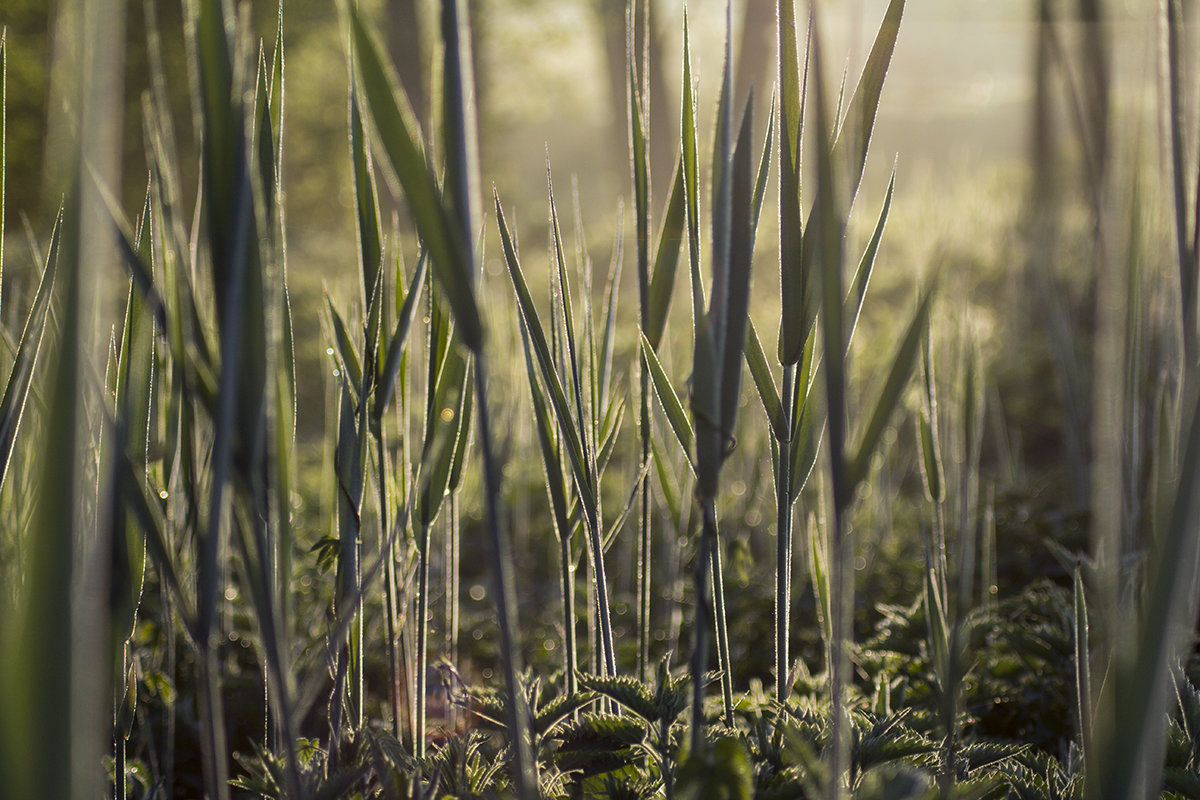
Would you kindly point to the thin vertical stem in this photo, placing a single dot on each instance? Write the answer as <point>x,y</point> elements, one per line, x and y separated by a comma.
<point>419,672</point>
<point>722,627</point>
<point>567,586</point>
<point>842,610</point>
<point>451,589</point>
<point>783,542</point>
<point>524,780</point>
<point>644,532</point>
<point>708,536</point>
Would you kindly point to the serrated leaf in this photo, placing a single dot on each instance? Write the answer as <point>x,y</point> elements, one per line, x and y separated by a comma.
<point>625,690</point>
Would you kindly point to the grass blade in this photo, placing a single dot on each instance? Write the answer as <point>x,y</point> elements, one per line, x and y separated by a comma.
<point>799,310</point>
<point>764,381</point>
<point>889,397</point>
<point>676,416</point>
<point>545,361</point>
<point>864,103</point>
<point>399,135</point>
<point>666,260</point>
<point>16,389</point>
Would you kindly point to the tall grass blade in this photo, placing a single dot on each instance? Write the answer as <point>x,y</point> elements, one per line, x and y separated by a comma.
<point>1083,668</point>
<point>853,139</point>
<point>386,386</point>
<point>541,349</point>
<point>399,135</point>
<point>799,307</point>
<point>666,260</point>
<point>889,397</point>
<point>764,381</point>
<point>672,407</point>
<point>39,653</point>
<point>866,265</point>
<point>20,377</point>
<point>691,176</point>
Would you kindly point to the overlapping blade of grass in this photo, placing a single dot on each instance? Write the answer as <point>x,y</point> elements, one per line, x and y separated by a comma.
<point>572,420</point>
<point>460,144</point>
<point>40,654</point>
<point>799,307</point>
<point>666,260</point>
<point>135,378</point>
<point>560,511</point>
<point>20,377</point>
<point>824,237</point>
<point>236,267</point>
<point>853,138</point>
<point>3,141</point>
<point>691,177</point>
<point>399,135</point>
<point>672,407</point>
<point>563,412</point>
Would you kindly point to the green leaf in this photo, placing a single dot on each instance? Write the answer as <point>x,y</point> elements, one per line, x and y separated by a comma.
<point>399,135</point>
<point>541,349</point>
<point>666,261</point>
<point>889,397</point>
<point>443,430</point>
<point>670,402</point>
<point>864,104</point>
<point>764,381</point>
<point>720,772</point>
<point>347,354</point>
<point>16,389</point>
<point>627,691</point>
<point>395,351</point>
<point>862,276</point>
<point>799,310</point>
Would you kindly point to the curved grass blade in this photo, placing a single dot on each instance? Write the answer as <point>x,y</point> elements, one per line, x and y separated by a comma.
<point>676,416</point>
<point>889,397</point>
<point>545,361</point>
<point>366,206</point>
<point>864,103</point>
<point>346,352</point>
<point>443,430</point>
<point>764,381</point>
<point>691,177</point>
<point>16,389</point>
<point>666,260</point>
<point>862,275</point>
